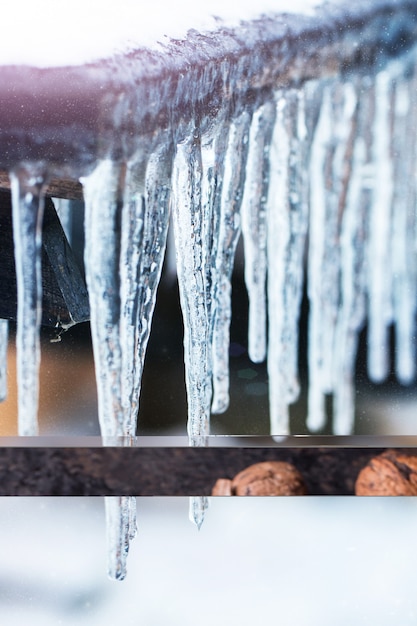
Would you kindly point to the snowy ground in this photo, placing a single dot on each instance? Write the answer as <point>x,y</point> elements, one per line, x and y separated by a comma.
<point>298,562</point>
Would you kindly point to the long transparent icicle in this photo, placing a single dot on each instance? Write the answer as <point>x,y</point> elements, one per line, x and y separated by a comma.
<point>319,151</point>
<point>131,244</point>
<point>198,506</point>
<point>213,149</point>
<point>127,217</point>
<point>298,216</point>
<point>324,257</point>
<point>229,231</point>
<point>253,212</point>
<point>337,173</point>
<point>278,241</point>
<point>120,530</point>
<point>380,310</point>
<point>27,184</point>
<point>145,218</point>
<point>404,257</point>
<point>286,219</point>
<point>196,192</point>
<point>191,250</point>
<point>353,269</point>
<point>102,251</point>
<point>4,336</point>
<point>102,236</point>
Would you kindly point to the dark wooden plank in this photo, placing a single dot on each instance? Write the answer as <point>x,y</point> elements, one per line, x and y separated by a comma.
<point>167,471</point>
<point>57,187</point>
<point>79,114</point>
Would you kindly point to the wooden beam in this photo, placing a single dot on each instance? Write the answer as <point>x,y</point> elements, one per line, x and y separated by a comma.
<point>57,188</point>
<point>168,471</point>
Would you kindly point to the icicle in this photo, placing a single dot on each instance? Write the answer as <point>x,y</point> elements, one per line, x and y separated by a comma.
<point>253,213</point>
<point>126,228</point>
<point>328,181</point>
<point>102,235</point>
<point>213,149</point>
<point>102,242</point>
<point>198,506</point>
<point>4,336</point>
<point>286,218</point>
<point>191,250</point>
<point>197,183</point>
<point>298,205</point>
<point>319,151</point>
<point>379,261</point>
<point>132,241</point>
<point>191,253</point>
<point>27,184</point>
<point>229,231</point>
<point>145,218</point>
<point>403,224</point>
<point>120,528</point>
<point>278,241</point>
<point>353,269</point>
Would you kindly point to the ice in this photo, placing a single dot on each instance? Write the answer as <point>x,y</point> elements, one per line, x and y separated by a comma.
<point>145,218</point>
<point>404,226</point>
<point>203,267</point>
<point>254,227</point>
<point>311,161</point>
<point>329,180</point>
<point>286,231</point>
<point>351,316</point>
<point>197,509</point>
<point>102,252</point>
<point>320,180</point>
<point>127,215</point>
<point>126,225</point>
<point>362,248</point>
<point>27,185</point>
<point>317,239</point>
<point>323,176</point>
<point>192,224</point>
<point>120,529</point>
<point>229,231</point>
<point>380,283</point>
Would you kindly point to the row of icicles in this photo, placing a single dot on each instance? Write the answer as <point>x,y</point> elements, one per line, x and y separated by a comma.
<point>332,162</point>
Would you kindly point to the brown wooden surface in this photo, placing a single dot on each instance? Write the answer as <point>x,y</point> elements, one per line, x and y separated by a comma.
<point>168,471</point>
<point>69,117</point>
<point>57,188</point>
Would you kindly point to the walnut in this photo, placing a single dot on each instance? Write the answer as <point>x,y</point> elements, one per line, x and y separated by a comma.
<point>223,487</point>
<point>271,478</point>
<point>392,473</point>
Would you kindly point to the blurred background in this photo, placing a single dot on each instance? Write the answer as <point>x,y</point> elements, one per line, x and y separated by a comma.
<point>296,561</point>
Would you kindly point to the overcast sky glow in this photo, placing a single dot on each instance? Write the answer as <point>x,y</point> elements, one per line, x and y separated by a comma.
<point>49,33</point>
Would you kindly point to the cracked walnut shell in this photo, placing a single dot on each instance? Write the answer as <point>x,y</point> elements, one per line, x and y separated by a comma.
<point>392,473</point>
<point>270,478</point>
